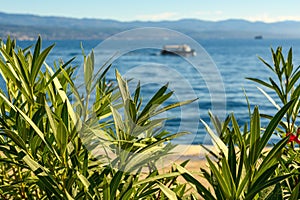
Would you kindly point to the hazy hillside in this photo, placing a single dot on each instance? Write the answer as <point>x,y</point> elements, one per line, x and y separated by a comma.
<point>29,26</point>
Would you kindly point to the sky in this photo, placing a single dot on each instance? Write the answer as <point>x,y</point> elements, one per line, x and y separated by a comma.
<point>156,10</point>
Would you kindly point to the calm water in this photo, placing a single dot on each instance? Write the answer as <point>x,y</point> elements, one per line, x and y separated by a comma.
<point>233,60</point>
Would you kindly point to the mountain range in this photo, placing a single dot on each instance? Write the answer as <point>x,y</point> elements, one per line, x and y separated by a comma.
<point>28,27</point>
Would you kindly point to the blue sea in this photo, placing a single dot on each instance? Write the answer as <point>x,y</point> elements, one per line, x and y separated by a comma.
<point>215,76</point>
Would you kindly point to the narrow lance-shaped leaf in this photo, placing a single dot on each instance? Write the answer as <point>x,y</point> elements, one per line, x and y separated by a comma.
<point>64,98</point>
<point>32,124</point>
<point>278,91</point>
<point>114,184</point>
<point>36,66</point>
<point>272,156</point>
<point>169,193</point>
<point>151,103</point>
<point>62,137</point>
<point>191,179</point>
<point>216,140</point>
<point>228,175</point>
<point>254,136</point>
<point>269,98</point>
<point>37,50</point>
<point>261,82</point>
<point>266,184</point>
<point>174,105</point>
<point>289,64</point>
<point>58,72</point>
<point>272,125</point>
<point>225,187</point>
<point>232,162</point>
<point>293,81</point>
<point>295,192</point>
<point>137,93</point>
<point>106,189</point>
<point>15,137</point>
<point>123,87</point>
<point>155,178</point>
<point>88,71</point>
<point>267,64</point>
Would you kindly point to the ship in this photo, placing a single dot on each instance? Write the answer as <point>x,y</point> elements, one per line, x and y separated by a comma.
<point>182,50</point>
<point>258,37</point>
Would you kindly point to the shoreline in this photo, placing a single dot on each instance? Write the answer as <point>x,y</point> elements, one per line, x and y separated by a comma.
<point>194,153</point>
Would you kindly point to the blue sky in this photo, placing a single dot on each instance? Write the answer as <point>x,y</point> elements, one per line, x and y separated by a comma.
<point>154,10</point>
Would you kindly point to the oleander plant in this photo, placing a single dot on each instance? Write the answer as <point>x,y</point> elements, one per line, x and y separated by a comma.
<point>57,142</point>
<point>244,166</point>
<point>48,127</point>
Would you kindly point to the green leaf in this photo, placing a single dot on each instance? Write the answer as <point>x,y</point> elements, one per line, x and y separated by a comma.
<point>137,93</point>
<point>243,183</point>
<point>69,197</point>
<point>293,81</point>
<point>268,65</point>
<point>289,63</point>
<point>261,178</point>
<point>123,87</point>
<point>264,185</point>
<point>64,115</point>
<point>254,136</point>
<point>37,64</point>
<point>221,179</point>
<point>88,71</point>
<point>269,98</point>
<point>278,91</point>
<point>295,192</point>
<point>83,180</point>
<point>161,141</point>
<point>155,101</point>
<point>217,124</point>
<point>35,144</point>
<point>106,189</point>
<point>169,193</point>
<point>128,194</point>
<point>143,157</point>
<point>237,132</point>
<point>272,125</point>
<point>260,82</point>
<point>45,179</point>
<point>64,98</point>
<point>114,184</point>
<point>50,118</point>
<point>216,140</point>
<point>16,138</point>
<point>174,105</point>
<point>37,50</point>
<point>228,175</point>
<point>240,168</point>
<point>118,122</point>
<point>206,194</point>
<point>155,178</point>
<point>150,125</point>
<point>58,72</point>
<point>232,161</point>
<point>32,124</point>
<point>61,137</point>
<point>272,156</point>
<point>276,194</point>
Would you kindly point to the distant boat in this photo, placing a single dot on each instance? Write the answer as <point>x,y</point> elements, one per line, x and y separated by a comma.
<point>183,50</point>
<point>258,37</point>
